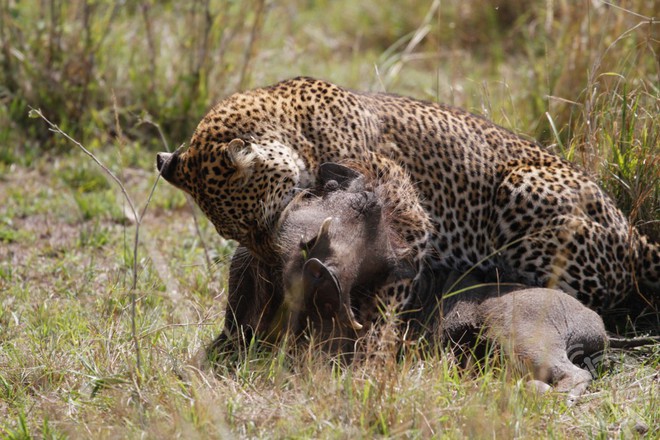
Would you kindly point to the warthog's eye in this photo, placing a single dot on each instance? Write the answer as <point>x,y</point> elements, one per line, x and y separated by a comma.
<point>308,246</point>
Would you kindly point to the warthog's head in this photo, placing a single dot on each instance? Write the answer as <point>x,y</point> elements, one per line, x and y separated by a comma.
<point>336,250</point>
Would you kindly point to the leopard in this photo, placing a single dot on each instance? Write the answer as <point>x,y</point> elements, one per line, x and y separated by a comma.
<point>496,200</point>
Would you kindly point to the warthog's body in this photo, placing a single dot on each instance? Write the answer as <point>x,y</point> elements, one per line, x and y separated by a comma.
<point>547,331</point>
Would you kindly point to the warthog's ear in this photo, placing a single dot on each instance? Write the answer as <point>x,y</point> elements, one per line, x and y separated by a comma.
<point>242,157</point>
<point>323,292</point>
<point>341,174</point>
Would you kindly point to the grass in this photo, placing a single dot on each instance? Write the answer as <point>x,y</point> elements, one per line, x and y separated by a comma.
<point>580,76</point>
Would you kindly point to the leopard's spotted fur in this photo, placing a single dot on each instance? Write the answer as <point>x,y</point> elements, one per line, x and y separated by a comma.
<point>495,198</point>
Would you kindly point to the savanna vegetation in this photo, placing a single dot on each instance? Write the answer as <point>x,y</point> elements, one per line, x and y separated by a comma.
<point>100,321</point>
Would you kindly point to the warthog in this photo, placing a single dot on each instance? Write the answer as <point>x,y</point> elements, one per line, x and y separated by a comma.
<point>336,250</point>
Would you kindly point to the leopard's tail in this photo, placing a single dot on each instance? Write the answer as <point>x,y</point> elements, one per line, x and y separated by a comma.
<point>648,268</point>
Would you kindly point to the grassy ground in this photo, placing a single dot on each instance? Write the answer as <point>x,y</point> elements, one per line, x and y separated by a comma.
<point>583,77</point>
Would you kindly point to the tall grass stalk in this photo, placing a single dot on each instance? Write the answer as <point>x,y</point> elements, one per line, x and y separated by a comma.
<point>137,217</point>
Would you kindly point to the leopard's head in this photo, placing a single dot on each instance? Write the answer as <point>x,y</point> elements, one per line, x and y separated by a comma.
<point>241,187</point>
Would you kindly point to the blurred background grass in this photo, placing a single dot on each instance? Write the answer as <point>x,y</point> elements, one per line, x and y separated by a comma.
<point>582,76</point>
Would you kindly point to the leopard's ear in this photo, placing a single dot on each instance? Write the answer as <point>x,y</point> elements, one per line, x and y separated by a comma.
<point>242,158</point>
